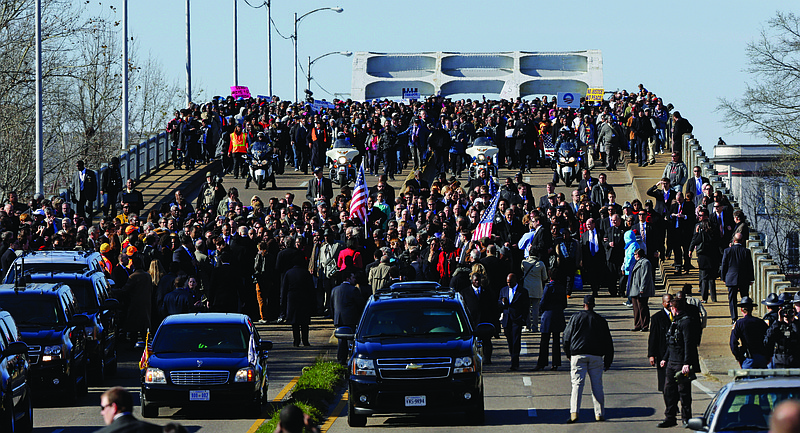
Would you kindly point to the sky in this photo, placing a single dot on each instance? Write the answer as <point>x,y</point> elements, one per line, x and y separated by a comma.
<point>690,53</point>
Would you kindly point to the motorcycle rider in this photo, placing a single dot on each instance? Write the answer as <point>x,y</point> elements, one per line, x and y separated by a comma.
<point>260,150</point>
<point>566,134</point>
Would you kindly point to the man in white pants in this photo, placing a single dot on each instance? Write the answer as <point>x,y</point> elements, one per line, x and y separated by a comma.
<point>590,349</point>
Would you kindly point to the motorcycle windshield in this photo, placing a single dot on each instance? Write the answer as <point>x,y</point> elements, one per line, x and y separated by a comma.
<point>567,148</point>
<point>342,144</point>
<point>260,154</point>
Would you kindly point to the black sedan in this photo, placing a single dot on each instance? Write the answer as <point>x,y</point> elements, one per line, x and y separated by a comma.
<point>205,358</point>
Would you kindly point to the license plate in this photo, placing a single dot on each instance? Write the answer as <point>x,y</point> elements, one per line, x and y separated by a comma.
<point>415,400</point>
<point>201,395</point>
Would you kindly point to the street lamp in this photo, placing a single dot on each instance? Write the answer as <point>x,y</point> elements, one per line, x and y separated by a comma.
<point>311,62</point>
<point>297,19</point>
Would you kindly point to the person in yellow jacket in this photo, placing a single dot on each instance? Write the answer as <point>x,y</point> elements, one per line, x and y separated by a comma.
<point>238,151</point>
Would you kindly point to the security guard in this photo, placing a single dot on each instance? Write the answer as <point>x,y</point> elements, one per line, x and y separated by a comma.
<point>750,331</point>
<point>774,304</point>
<point>784,337</point>
<point>681,362</point>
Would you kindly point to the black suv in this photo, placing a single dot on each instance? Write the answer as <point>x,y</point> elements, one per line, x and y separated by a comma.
<point>91,290</point>
<point>414,351</point>
<point>48,320</point>
<point>16,411</point>
<point>73,262</point>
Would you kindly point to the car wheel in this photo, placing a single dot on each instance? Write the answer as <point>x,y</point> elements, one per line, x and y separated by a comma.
<point>477,416</point>
<point>354,420</point>
<point>25,425</point>
<point>98,373</point>
<point>9,422</point>
<point>149,410</point>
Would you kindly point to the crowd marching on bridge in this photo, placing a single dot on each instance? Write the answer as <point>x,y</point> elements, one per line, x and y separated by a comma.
<point>510,247</point>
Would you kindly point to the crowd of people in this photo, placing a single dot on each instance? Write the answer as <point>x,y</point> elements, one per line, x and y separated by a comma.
<point>281,261</point>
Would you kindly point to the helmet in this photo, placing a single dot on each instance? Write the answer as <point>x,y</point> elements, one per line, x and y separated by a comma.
<point>260,135</point>
<point>565,130</point>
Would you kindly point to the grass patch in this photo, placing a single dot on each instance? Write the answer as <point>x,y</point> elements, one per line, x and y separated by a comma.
<point>312,392</point>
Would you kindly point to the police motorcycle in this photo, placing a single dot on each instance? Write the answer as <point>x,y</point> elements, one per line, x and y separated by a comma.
<point>264,161</point>
<point>342,169</point>
<point>568,158</point>
<point>482,153</point>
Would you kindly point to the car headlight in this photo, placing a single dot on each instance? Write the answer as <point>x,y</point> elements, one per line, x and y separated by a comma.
<point>465,364</point>
<point>481,157</point>
<point>245,375</point>
<point>342,160</point>
<point>572,159</point>
<point>51,353</point>
<point>155,375</point>
<point>363,367</point>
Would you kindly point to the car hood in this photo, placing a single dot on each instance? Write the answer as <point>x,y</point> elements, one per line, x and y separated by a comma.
<point>41,336</point>
<point>198,361</point>
<point>414,347</point>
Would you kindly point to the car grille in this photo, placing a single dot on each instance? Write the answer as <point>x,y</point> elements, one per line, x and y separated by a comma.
<point>33,354</point>
<point>199,377</point>
<point>414,368</point>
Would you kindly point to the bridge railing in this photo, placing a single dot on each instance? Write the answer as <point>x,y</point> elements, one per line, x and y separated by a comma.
<point>768,276</point>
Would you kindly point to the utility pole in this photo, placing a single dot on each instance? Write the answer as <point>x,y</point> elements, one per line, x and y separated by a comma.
<point>188,57</point>
<point>39,129</point>
<point>124,75</point>
<point>235,45</point>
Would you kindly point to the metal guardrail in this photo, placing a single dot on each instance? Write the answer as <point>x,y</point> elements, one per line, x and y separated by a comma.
<point>768,278</point>
<point>138,162</point>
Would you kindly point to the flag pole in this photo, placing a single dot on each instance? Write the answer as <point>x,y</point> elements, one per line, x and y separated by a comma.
<point>366,217</point>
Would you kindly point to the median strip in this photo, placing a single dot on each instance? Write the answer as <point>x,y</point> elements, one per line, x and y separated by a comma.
<point>253,428</point>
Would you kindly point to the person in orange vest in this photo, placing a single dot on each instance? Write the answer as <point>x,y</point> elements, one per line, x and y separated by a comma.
<point>238,151</point>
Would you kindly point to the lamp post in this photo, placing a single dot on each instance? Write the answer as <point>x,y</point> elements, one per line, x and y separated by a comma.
<point>311,62</point>
<point>235,44</point>
<point>294,38</point>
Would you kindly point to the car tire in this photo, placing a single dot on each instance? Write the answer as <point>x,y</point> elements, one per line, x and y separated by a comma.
<point>25,425</point>
<point>477,416</point>
<point>354,420</point>
<point>149,410</point>
<point>98,372</point>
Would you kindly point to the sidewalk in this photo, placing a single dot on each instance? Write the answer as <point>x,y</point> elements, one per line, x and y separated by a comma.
<point>715,355</point>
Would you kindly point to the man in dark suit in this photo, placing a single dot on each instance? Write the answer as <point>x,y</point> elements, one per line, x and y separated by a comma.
<point>116,407</point>
<point>587,182</point>
<point>593,262</point>
<point>319,188</point>
<point>614,245</point>
<point>680,226</point>
<point>514,303</point>
<point>347,303</point>
<point>657,341</point>
<point>84,186</point>
<point>722,222</point>
<point>663,196</point>
<point>737,272</point>
<point>482,179</point>
<point>480,302</point>
<point>695,183</point>
<point>542,240</point>
<point>8,257</point>
<point>544,200</point>
<point>185,256</point>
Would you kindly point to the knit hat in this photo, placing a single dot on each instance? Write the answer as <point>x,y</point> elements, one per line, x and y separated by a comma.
<point>105,247</point>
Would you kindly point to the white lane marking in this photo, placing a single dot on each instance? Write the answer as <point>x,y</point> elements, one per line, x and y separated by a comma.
<point>719,326</point>
<point>526,381</point>
<point>304,184</point>
<point>524,349</point>
<point>532,412</point>
<point>703,388</point>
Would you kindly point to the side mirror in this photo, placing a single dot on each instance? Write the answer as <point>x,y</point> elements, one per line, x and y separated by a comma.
<point>265,345</point>
<point>111,304</point>
<point>344,332</point>
<point>16,348</point>
<point>697,424</point>
<point>80,320</point>
<point>111,282</point>
<point>484,330</point>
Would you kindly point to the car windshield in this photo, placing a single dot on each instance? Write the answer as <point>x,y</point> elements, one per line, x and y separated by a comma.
<point>750,409</point>
<point>32,310</point>
<point>400,321</point>
<point>85,296</point>
<point>205,337</point>
<point>46,268</point>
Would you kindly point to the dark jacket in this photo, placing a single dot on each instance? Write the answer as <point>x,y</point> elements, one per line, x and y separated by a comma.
<point>517,309</point>
<point>681,347</point>
<point>480,308</point>
<point>552,306</point>
<point>737,266</point>
<point>313,190</point>
<point>786,347</point>
<point>347,304</point>
<point>587,333</point>
<point>706,245</point>
<point>750,331</point>
<point>129,424</point>
<point>180,300</point>
<point>657,340</point>
<point>297,296</point>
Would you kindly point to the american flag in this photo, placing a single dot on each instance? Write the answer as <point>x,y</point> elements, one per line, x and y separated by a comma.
<point>484,228</point>
<point>358,205</point>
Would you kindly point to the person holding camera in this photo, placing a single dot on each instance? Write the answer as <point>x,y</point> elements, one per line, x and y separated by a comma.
<point>783,337</point>
<point>681,362</point>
